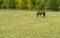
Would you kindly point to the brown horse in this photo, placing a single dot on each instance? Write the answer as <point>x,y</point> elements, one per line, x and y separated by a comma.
<point>40,12</point>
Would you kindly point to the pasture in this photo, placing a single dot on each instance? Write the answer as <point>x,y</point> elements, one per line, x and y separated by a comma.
<point>25,24</point>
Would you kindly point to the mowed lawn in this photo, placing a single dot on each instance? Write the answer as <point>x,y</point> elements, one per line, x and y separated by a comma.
<point>25,24</point>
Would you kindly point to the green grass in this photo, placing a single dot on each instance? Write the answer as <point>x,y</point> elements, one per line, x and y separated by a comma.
<point>25,24</point>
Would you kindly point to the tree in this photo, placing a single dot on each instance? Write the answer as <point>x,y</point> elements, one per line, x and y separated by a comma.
<point>53,5</point>
<point>12,3</point>
<point>30,5</point>
<point>1,2</point>
<point>40,4</point>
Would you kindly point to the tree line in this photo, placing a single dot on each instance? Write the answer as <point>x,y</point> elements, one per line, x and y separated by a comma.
<point>30,4</point>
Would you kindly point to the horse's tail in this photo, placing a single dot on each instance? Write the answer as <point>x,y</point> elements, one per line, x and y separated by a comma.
<point>44,14</point>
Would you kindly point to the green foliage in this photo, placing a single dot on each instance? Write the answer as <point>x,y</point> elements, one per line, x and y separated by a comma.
<point>1,2</point>
<point>53,5</point>
<point>31,4</point>
<point>12,3</point>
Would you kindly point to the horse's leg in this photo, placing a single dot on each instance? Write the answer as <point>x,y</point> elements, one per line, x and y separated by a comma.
<point>37,15</point>
<point>40,15</point>
<point>44,15</point>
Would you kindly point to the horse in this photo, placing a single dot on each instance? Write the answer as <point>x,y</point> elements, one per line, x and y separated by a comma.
<point>40,12</point>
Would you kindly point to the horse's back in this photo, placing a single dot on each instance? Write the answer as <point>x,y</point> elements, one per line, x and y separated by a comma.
<point>41,11</point>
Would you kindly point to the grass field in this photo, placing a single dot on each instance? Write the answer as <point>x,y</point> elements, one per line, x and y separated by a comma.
<point>25,24</point>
